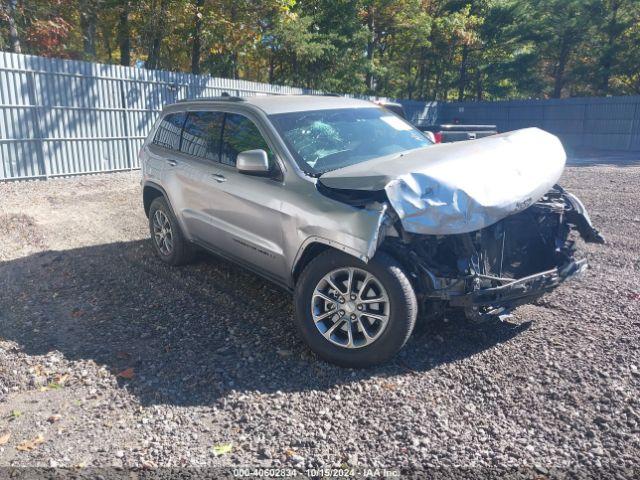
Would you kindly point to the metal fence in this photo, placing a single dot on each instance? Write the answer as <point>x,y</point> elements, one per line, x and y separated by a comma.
<point>611,123</point>
<point>64,117</point>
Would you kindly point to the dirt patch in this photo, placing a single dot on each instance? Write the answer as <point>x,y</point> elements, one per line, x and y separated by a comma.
<point>21,235</point>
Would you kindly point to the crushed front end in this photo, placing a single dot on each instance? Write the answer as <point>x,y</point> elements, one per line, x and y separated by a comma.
<point>490,271</point>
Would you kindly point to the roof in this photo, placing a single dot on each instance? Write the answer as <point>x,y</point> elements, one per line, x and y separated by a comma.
<point>272,104</point>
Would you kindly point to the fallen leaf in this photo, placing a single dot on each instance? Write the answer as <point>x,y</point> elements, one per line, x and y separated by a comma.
<point>15,414</point>
<point>61,379</point>
<point>4,437</point>
<point>289,453</point>
<point>54,418</point>
<point>29,445</point>
<point>128,374</point>
<point>222,449</point>
<point>76,312</point>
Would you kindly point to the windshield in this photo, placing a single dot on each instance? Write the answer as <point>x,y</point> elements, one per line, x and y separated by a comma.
<point>323,140</point>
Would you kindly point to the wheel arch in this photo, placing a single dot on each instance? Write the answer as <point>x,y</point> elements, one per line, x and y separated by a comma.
<point>150,192</point>
<point>314,246</point>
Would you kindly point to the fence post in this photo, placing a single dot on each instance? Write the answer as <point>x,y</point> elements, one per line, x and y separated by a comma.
<point>584,125</point>
<point>125,121</point>
<point>635,124</point>
<point>36,124</point>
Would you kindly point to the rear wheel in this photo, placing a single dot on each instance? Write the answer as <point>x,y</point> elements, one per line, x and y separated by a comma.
<point>352,313</point>
<point>168,240</point>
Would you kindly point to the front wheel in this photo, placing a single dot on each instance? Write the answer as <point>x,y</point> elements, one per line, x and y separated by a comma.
<point>352,313</point>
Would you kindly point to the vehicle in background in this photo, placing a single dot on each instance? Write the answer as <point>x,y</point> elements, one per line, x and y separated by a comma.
<point>444,133</point>
<point>453,132</point>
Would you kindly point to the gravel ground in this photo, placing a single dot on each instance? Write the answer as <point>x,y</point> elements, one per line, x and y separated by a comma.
<point>110,358</point>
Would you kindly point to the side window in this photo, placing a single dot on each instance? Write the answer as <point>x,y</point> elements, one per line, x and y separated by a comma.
<point>168,132</point>
<point>201,135</point>
<point>241,134</point>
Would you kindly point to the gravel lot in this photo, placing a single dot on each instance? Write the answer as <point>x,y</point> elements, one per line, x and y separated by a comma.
<point>110,358</point>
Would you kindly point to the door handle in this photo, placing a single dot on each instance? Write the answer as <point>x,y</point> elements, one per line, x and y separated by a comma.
<point>173,163</point>
<point>219,178</point>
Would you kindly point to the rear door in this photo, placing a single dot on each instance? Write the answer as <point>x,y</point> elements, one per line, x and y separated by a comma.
<point>196,170</point>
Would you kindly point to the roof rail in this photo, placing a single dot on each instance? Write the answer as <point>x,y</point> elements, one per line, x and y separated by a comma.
<point>224,97</point>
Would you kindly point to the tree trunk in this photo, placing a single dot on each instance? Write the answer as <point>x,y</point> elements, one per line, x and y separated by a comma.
<point>157,34</point>
<point>14,40</point>
<point>479,86</point>
<point>462,81</point>
<point>88,25</point>
<point>371,46</point>
<point>271,67</point>
<point>558,73</point>
<point>124,34</point>
<point>197,38</point>
<point>609,52</point>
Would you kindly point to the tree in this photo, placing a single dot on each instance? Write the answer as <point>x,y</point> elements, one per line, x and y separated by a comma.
<point>196,37</point>
<point>124,32</point>
<point>156,31</point>
<point>419,49</point>
<point>88,10</point>
<point>10,12</point>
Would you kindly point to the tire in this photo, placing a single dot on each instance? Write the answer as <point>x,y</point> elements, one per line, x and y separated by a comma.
<point>181,251</point>
<point>388,278</point>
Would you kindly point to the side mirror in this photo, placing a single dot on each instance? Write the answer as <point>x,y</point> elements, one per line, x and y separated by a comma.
<point>430,136</point>
<point>253,162</point>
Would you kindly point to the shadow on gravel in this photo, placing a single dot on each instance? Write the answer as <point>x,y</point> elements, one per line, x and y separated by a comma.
<point>190,334</point>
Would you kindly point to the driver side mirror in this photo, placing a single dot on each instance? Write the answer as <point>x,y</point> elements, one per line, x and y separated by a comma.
<point>253,162</point>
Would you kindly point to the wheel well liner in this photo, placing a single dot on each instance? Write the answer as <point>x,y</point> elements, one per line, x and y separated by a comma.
<point>149,194</point>
<point>310,252</point>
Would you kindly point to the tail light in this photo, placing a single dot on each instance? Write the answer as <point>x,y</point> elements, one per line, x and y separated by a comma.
<point>438,137</point>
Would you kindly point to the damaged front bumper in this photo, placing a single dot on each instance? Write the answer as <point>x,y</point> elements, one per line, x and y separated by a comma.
<point>496,301</point>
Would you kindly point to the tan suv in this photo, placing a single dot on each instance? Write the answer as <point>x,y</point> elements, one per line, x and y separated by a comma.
<point>359,215</point>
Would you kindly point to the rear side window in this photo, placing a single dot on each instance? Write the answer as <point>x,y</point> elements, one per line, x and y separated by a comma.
<point>168,132</point>
<point>240,134</point>
<point>201,135</point>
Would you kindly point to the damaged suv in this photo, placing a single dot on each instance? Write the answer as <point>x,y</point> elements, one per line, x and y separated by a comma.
<point>355,211</point>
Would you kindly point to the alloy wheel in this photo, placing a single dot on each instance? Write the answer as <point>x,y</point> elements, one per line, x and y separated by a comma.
<point>350,307</point>
<point>162,233</point>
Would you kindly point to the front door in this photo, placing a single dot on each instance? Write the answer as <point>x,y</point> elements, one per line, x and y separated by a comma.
<point>246,207</point>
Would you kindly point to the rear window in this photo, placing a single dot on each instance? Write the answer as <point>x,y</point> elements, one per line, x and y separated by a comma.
<point>201,136</point>
<point>168,132</point>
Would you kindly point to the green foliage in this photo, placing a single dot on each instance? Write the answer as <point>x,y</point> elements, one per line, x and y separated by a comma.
<point>421,49</point>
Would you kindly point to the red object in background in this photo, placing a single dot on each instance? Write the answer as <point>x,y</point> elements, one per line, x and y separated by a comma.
<point>438,137</point>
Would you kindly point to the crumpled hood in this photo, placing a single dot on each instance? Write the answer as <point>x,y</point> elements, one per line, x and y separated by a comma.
<point>460,187</point>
